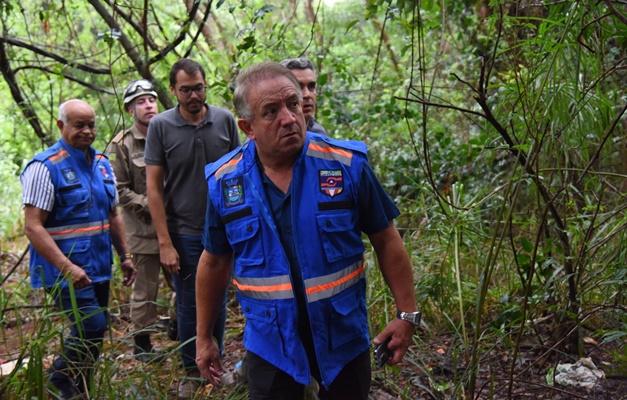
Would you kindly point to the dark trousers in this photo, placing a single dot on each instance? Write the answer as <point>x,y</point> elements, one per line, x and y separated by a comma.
<point>74,365</point>
<point>266,382</point>
<point>189,248</point>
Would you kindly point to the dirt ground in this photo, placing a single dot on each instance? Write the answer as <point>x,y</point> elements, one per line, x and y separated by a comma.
<point>427,372</point>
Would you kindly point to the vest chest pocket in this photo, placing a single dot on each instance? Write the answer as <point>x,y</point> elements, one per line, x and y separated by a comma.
<point>110,188</point>
<point>72,202</point>
<point>339,236</point>
<point>244,237</point>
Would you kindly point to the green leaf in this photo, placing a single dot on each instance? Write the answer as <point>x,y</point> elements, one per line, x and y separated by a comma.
<point>264,10</point>
<point>350,25</point>
<point>526,245</point>
<point>550,376</point>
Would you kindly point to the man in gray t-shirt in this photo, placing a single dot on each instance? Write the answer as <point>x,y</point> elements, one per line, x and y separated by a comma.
<point>180,142</point>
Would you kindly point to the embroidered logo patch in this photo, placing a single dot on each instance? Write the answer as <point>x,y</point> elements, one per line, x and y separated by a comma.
<point>233,191</point>
<point>331,181</point>
<point>103,171</point>
<point>69,175</point>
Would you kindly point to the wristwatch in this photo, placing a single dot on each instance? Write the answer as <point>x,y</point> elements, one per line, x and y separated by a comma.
<point>126,256</point>
<point>413,317</point>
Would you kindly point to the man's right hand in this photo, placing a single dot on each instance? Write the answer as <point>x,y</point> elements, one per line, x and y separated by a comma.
<point>75,274</point>
<point>208,359</point>
<point>169,259</point>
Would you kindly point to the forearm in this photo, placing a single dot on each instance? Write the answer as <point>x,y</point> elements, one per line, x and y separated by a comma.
<point>159,221</point>
<point>118,233</point>
<point>41,240</point>
<point>43,243</point>
<point>132,201</point>
<point>156,203</point>
<point>212,279</point>
<point>396,267</point>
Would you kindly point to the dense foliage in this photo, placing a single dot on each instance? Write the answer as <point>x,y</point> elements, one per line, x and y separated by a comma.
<point>498,127</point>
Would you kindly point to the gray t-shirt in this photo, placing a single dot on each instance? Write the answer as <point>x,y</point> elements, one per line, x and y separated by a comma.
<point>183,150</point>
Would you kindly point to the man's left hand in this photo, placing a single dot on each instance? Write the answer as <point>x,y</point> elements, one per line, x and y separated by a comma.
<point>402,333</point>
<point>129,271</point>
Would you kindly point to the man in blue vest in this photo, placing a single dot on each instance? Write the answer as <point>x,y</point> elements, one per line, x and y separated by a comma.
<point>288,209</point>
<point>71,220</point>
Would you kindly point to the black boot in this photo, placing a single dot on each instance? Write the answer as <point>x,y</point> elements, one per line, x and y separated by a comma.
<point>65,386</point>
<point>173,331</point>
<point>144,351</point>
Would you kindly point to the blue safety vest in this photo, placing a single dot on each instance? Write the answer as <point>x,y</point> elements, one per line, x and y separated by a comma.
<point>329,249</point>
<point>79,220</point>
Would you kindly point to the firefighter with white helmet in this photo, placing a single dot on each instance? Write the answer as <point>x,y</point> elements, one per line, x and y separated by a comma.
<point>126,152</point>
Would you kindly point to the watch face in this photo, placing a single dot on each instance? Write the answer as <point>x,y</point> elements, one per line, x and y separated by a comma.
<point>414,318</point>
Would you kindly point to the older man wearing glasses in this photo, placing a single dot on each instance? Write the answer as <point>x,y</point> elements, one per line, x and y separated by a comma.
<point>180,142</point>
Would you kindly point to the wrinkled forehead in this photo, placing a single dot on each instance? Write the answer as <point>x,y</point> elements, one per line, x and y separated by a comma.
<point>273,90</point>
<point>82,114</point>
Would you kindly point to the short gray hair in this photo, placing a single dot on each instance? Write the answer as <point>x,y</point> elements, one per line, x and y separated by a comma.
<point>63,111</point>
<point>249,77</point>
<point>298,63</point>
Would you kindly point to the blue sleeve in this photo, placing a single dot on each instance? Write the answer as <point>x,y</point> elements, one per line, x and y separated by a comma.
<point>376,208</point>
<point>214,238</point>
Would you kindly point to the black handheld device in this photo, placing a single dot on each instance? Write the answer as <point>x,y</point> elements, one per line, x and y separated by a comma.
<point>382,354</point>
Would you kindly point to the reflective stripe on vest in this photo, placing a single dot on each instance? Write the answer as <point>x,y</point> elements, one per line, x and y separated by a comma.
<point>326,286</point>
<point>273,288</point>
<point>79,230</point>
<point>58,157</point>
<point>323,150</point>
<point>230,166</point>
<point>280,287</point>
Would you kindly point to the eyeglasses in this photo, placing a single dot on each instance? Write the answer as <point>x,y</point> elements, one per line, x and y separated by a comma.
<point>187,91</point>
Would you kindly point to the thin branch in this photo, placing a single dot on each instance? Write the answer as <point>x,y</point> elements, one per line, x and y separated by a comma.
<point>439,105</point>
<point>184,31</point>
<point>83,67</point>
<point>141,29</point>
<point>200,28</point>
<point>68,77</point>
<point>597,153</point>
<point>14,267</point>
<point>614,11</point>
<point>142,66</point>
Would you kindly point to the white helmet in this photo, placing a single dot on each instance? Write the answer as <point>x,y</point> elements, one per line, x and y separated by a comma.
<point>137,88</point>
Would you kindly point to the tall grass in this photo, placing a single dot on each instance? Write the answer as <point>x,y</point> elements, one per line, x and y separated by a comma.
<point>32,329</point>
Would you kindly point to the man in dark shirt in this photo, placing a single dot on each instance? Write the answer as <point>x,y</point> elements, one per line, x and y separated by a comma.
<point>305,73</point>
